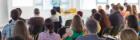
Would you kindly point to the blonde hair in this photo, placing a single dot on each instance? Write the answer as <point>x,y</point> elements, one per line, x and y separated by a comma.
<point>77,24</point>
<point>128,34</point>
<point>20,29</point>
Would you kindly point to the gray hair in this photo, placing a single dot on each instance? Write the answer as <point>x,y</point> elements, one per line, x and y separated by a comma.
<point>92,25</point>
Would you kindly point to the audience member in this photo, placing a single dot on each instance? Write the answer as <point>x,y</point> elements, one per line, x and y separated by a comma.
<point>20,29</point>
<point>8,28</point>
<point>56,20</point>
<point>93,28</point>
<point>104,23</point>
<point>117,22</point>
<point>36,24</point>
<point>76,27</point>
<point>20,13</point>
<point>128,34</point>
<point>107,9</point>
<point>132,22</point>
<point>49,33</point>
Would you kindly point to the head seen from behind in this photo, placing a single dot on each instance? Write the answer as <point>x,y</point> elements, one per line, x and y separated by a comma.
<point>20,29</point>
<point>49,25</point>
<point>36,11</point>
<point>128,34</point>
<point>80,13</point>
<point>14,14</point>
<point>77,24</point>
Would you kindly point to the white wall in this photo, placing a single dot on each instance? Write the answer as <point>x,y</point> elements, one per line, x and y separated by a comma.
<point>3,12</point>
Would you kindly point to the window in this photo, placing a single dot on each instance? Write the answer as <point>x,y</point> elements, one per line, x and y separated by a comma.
<point>102,1</point>
<point>22,3</point>
<point>87,4</point>
<point>131,1</point>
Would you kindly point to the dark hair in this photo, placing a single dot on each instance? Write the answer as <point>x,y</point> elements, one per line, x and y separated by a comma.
<point>107,6</point>
<point>93,11</point>
<point>77,24</point>
<point>121,8</point>
<point>20,11</point>
<point>80,13</point>
<point>14,14</point>
<point>128,8</point>
<point>36,25</point>
<point>132,22</point>
<point>53,12</point>
<point>134,9</point>
<point>49,25</point>
<point>36,11</point>
<point>97,16</point>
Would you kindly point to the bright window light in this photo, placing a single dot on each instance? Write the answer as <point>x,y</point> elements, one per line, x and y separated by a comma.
<point>22,3</point>
<point>87,4</point>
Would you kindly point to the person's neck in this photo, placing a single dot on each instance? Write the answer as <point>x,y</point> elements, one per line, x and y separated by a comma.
<point>36,15</point>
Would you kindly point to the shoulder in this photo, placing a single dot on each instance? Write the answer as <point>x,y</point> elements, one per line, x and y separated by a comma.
<point>41,34</point>
<point>80,38</point>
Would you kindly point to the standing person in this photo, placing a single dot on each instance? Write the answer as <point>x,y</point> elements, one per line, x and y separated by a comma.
<point>36,24</point>
<point>20,29</point>
<point>56,5</point>
<point>76,27</point>
<point>8,29</point>
<point>48,33</point>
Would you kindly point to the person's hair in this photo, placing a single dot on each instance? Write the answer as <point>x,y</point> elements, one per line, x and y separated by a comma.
<point>116,7</point>
<point>49,25</point>
<point>20,29</point>
<point>134,9</point>
<point>128,34</point>
<point>97,16</point>
<point>77,24</point>
<point>125,4</point>
<point>80,13</point>
<point>132,22</point>
<point>14,14</point>
<point>121,8</point>
<point>36,25</point>
<point>93,11</point>
<point>107,6</point>
<point>53,12</point>
<point>129,8</point>
<point>19,10</point>
<point>105,19</point>
<point>36,11</point>
<point>92,25</point>
<point>112,5</point>
<point>16,38</point>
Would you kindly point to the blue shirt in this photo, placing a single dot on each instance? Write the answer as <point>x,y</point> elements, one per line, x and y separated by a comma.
<point>56,3</point>
<point>8,29</point>
<point>89,37</point>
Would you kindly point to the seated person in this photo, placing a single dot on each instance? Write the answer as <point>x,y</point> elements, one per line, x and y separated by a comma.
<point>128,34</point>
<point>48,33</point>
<point>8,28</point>
<point>93,28</point>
